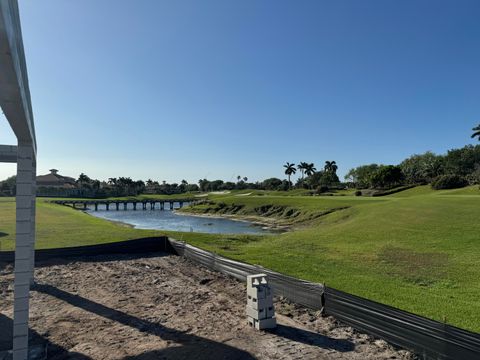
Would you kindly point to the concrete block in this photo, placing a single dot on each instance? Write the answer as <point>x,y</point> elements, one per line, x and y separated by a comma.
<point>256,280</point>
<point>23,227</point>
<point>20,354</point>
<point>24,189</point>
<point>24,176</point>
<point>255,303</point>
<point>22,265</point>
<point>259,303</point>
<point>259,292</point>
<point>20,342</point>
<point>263,324</point>
<point>22,252</point>
<point>270,310</point>
<point>256,314</point>
<point>20,317</point>
<point>21,291</point>
<point>24,214</point>
<point>22,278</point>
<point>22,303</point>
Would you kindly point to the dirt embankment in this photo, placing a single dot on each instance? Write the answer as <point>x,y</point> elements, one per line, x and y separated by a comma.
<point>278,217</point>
<point>165,307</point>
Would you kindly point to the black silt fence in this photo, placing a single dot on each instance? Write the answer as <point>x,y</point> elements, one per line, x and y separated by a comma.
<point>429,339</point>
<point>298,291</point>
<point>137,246</point>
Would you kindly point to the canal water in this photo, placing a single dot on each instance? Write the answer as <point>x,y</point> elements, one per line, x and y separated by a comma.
<point>168,220</point>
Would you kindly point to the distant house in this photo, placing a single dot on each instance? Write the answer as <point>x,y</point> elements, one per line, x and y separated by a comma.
<point>54,179</point>
<point>54,184</point>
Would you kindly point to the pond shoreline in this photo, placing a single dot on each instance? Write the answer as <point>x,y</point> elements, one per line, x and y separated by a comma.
<point>263,228</point>
<point>270,225</point>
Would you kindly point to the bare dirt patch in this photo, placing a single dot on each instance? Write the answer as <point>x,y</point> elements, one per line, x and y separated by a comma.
<point>165,307</point>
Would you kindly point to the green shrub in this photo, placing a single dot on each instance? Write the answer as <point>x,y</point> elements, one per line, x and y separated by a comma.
<point>449,182</point>
<point>358,193</point>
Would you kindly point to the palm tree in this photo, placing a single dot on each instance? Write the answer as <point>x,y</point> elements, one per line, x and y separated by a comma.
<point>245,179</point>
<point>476,132</point>
<point>331,166</point>
<point>310,169</point>
<point>83,180</point>
<point>239,178</point>
<point>302,167</point>
<point>289,170</point>
<point>96,185</point>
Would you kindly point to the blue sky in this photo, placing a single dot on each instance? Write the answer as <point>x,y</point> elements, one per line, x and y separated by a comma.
<point>190,89</point>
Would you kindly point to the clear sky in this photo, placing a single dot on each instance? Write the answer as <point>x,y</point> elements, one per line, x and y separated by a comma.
<point>191,89</point>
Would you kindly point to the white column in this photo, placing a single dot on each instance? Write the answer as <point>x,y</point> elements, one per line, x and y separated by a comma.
<point>25,239</point>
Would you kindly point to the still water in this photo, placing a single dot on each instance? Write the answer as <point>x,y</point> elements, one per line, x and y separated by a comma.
<point>169,220</point>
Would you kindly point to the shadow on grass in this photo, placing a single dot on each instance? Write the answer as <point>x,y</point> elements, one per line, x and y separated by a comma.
<point>2,234</point>
<point>192,346</point>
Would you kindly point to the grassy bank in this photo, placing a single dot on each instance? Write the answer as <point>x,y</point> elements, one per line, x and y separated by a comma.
<point>418,250</point>
<point>60,226</point>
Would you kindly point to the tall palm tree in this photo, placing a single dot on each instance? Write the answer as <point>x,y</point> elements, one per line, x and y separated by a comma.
<point>83,180</point>
<point>289,171</point>
<point>330,166</point>
<point>245,179</point>
<point>476,132</point>
<point>310,169</point>
<point>302,167</point>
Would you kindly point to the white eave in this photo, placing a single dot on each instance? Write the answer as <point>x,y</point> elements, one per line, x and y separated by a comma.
<point>14,90</point>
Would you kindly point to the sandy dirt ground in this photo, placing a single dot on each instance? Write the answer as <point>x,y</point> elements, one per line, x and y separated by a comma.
<point>165,307</point>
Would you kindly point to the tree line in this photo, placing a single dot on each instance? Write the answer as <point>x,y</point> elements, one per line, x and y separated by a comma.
<point>456,168</point>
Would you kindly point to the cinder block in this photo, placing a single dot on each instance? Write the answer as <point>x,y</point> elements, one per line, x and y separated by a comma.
<point>21,291</point>
<point>256,314</point>
<point>259,303</point>
<point>20,342</point>
<point>22,303</point>
<point>22,265</point>
<point>270,311</point>
<point>22,252</point>
<point>20,317</point>
<point>256,280</point>
<point>24,189</point>
<point>24,214</point>
<point>22,278</point>
<point>20,354</point>
<point>263,324</point>
<point>259,292</point>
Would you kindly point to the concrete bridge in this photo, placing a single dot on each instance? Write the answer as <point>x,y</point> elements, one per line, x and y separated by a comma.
<point>143,204</point>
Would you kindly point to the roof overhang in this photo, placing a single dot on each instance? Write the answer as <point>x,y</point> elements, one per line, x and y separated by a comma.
<point>14,90</point>
<point>8,153</point>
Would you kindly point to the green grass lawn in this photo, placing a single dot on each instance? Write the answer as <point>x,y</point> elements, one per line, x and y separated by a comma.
<point>60,226</point>
<point>418,250</point>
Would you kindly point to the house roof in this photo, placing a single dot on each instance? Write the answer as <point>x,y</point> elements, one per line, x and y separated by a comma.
<point>54,177</point>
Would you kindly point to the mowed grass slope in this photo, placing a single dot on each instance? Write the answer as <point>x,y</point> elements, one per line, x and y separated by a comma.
<point>418,250</point>
<point>60,226</point>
